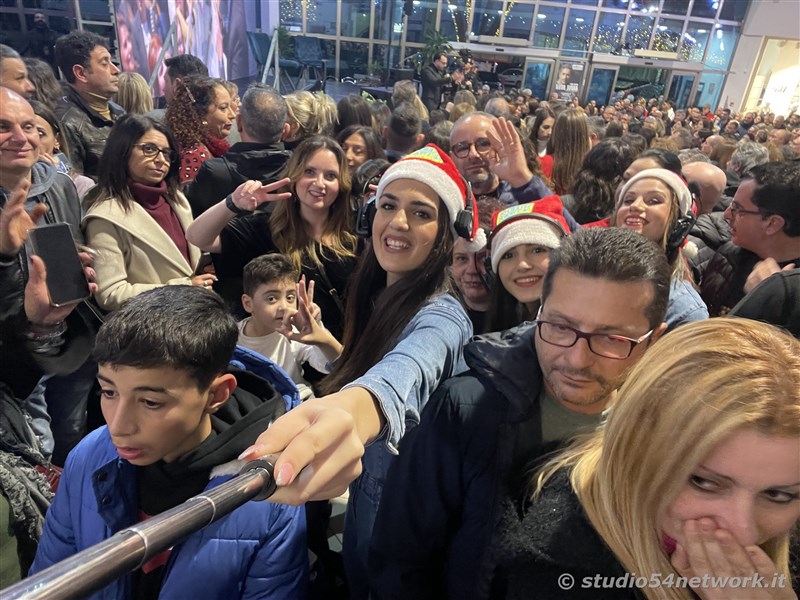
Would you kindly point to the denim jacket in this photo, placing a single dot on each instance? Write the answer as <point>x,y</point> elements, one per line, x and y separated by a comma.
<point>685,304</point>
<point>428,351</point>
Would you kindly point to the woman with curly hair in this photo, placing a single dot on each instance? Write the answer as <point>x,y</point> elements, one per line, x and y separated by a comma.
<point>310,223</point>
<point>200,117</point>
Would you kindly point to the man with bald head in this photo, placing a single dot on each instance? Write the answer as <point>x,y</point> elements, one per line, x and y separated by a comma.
<point>711,229</point>
<point>780,137</point>
<point>710,143</point>
<point>471,150</point>
<point>710,181</point>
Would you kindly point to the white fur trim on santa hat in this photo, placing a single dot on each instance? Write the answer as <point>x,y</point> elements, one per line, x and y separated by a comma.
<point>431,175</point>
<point>530,230</point>
<point>675,183</point>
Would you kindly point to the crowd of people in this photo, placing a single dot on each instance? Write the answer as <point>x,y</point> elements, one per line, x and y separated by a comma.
<point>533,339</point>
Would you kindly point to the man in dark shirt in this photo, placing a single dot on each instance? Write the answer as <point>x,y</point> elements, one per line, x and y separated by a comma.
<point>434,76</point>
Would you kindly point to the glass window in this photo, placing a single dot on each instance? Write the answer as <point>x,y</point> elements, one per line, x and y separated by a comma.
<point>734,10</point>
<point>668,35</point>
<point>579,31</point>
<point>486,17</point>
<point>548,26</point>
<point>291,12</point>
<point>519,21</point>
<point>354,59</point>
<point>422,20</point>
<point>355,18</point>
<point>705,8</point>
<point>694,42</point>
<point>609,33</point>
<point>676,7</point>
<point>387,25</point>
<point>10,22</point>
<point>644,6</point>
<point>600,86</point>
<point>321,17</point>
<point>536,75</point>
<point>454,22</point>
<point>61,24</point>
<point>708,90</point>
<point>637,36</point>
<point>585,2</point>
<point>97,10</point>
<point>720,47</point>
<point>615,3</point>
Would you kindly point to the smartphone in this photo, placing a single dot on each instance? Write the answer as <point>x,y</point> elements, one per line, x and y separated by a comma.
<point>66,283</point>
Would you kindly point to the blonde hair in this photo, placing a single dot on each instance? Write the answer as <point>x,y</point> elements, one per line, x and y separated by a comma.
<point>406,91</point>
<point>692,390</point>
<point>133,94</point>
<point>315,114</point>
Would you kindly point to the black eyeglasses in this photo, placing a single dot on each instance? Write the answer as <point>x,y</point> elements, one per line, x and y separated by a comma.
<point>736,210</point>
<point>606,345</point>
<point>151,150</point>
<point>461,149</point>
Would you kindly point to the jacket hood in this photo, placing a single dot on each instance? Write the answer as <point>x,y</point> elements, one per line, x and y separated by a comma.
<point>252,158</point>
<point>507,360</point>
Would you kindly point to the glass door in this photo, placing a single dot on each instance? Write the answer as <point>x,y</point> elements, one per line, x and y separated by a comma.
<point>680,88</point>
<point>536,75</point>
<point>601,84</point>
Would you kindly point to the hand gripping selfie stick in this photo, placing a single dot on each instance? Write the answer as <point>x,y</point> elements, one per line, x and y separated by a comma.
<point>127,550</point>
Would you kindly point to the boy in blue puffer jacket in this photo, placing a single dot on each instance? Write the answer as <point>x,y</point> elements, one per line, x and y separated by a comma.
<point>177,419</point>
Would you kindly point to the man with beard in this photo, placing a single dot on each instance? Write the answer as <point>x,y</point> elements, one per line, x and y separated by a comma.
<point>528,391</point>
<point>511,181</point>
<point>41,41</point>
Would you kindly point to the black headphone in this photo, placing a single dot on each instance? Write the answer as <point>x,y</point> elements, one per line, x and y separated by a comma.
<point>462,223</point>
<point>680,230</point>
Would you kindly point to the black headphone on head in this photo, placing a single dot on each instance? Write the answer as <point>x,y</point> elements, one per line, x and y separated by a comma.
<point>680,230</point>
<point>462,223</point>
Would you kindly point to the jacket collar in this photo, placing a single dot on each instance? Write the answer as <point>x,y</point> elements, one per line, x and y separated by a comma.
<point>74,97</point>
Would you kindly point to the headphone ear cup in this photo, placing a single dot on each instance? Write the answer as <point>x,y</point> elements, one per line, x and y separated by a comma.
<point>463,224</point>
<point>489,276</point>
<point>365,218</point>
<point>678,234</point>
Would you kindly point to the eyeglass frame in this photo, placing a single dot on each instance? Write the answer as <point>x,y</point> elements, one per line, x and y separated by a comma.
<point>170,155</point>
<point>471,145</point>
<point>736,210</point>
<point>633,342</point>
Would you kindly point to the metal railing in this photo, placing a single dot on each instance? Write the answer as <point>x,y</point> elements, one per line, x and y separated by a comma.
<point>127,550</point>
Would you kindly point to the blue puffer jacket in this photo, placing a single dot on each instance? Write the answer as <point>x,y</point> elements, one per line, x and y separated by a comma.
<point>257,551</point>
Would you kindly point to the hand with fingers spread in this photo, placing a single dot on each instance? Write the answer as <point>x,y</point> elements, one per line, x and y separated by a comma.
<point>252,194</point>
<point>301,325</point>
<point>320,443</point>
<point>508,162</point>
<point>713,555</point>
<point>15,221</point>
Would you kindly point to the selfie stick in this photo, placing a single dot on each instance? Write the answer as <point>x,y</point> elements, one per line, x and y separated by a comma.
<point>127,550</point>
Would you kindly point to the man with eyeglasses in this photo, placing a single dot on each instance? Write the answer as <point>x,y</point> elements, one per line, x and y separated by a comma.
<point>765,236</point>
<point>512,182</point>
<point>529,390</point>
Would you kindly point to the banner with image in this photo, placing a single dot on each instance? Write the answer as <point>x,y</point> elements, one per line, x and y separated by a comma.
<point>568,81</point>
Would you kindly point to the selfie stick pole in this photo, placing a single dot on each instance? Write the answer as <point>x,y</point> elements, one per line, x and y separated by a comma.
<point>127,550</point>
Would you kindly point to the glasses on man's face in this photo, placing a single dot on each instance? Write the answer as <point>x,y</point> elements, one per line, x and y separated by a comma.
<point>151,150</point>
<point>461,149</point>
<point>737,209</point>
<point>607,345</point>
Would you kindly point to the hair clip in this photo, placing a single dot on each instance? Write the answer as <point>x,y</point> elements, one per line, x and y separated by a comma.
<point>188,91</point>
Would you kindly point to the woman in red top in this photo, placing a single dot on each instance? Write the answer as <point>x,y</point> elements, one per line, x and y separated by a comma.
<point>200,117</point>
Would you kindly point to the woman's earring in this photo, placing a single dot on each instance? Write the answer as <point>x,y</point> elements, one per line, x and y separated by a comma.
<point>205,123</point>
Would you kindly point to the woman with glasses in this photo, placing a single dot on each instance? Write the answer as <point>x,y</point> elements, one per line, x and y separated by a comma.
<point>691,487</point>
<point>657,204</point>
<point>136,217</point>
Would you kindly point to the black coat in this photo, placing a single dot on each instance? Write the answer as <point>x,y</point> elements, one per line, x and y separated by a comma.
<point>86,131</point>
<point>432,81</point>
<point>442,498</point>
<point>220,176</point>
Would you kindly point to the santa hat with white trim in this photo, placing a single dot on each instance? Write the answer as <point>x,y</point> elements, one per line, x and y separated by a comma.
<point>541,222</point>
<point>433,167</point>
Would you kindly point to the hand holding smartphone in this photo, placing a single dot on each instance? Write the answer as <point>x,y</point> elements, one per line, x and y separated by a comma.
<point>66,282</point>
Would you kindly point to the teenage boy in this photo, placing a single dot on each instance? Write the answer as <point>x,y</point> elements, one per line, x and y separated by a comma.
<point>176,421</point>
<point>275,301</point>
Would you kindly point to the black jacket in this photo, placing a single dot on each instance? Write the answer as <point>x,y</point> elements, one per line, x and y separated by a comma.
<point>86,130</point>
<point>218,177</point>
<point>443,497</point>
<point>432,81</point>
<point>709,232</point>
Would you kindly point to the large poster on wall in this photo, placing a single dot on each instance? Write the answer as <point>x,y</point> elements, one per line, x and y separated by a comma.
<point>568,81</point>
<point>212,30</point>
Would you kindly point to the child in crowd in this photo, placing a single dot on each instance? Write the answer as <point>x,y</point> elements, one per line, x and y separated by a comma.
<point>176,421</point>
<point>275,301</point>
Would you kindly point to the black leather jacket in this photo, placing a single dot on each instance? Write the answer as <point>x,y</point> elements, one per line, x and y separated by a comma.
<point>86,130</point>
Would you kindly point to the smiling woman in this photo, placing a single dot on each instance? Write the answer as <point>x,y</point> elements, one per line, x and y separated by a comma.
<point>136,218</point>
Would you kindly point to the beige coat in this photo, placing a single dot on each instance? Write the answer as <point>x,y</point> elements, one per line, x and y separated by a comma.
<point>134,253</point>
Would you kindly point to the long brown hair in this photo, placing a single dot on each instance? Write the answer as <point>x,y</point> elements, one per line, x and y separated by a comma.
<point>376,315</point>
<point>288,229</point>
<point>568,144</point>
